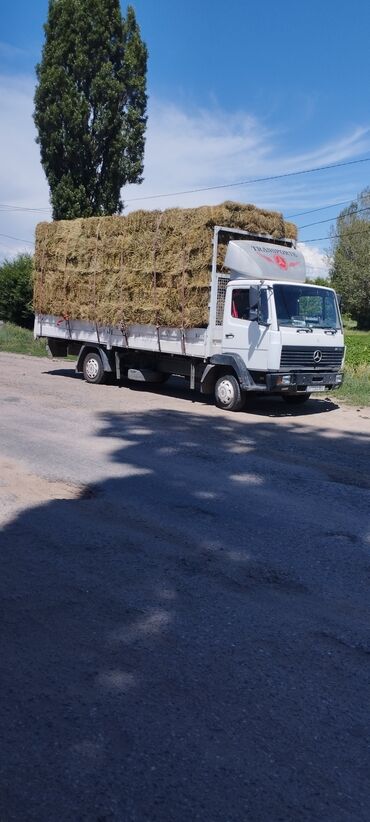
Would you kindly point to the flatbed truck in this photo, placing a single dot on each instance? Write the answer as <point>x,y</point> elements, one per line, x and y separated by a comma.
<point>268,332</point>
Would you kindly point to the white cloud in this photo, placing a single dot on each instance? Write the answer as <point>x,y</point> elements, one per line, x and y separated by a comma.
<point>184,149</point>
<point>317,263</point>
<point>21,178</point>
<point>193,149</point>
<point>22,182</point>
<point>199,148</point>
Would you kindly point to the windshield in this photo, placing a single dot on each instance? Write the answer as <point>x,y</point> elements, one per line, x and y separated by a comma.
<point>306,306</point>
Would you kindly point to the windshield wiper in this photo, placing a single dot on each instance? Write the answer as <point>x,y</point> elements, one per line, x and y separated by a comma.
<point>308,329</point>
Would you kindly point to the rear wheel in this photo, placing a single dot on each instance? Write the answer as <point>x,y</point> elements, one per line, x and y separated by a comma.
<point>93,370</point>
<point>228,394</point>
<point>295,399</point>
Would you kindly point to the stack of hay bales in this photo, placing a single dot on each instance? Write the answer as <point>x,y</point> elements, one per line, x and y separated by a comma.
<point>149,267</point>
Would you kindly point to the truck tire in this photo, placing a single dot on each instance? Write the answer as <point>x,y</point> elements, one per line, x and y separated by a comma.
<point>228,394</point>
<point>296,399</point>
<point>93,370</point>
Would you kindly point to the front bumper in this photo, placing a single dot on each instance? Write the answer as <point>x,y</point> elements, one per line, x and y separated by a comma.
<point>299,382</point>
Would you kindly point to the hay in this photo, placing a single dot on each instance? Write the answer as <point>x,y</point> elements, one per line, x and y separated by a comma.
<point>148,267</point>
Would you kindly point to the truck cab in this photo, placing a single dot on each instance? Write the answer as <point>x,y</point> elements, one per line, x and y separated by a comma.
<point>288,333</point>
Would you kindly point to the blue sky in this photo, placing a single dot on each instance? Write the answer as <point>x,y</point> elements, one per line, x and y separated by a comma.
<point>237,91</point>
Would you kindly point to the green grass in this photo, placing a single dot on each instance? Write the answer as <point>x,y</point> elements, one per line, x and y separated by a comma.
<point>358,348</point>
<point>18,340</point>
<point>356,385</point>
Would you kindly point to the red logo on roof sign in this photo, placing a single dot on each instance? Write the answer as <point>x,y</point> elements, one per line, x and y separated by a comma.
<point>277,259</point>
<point>281,262</point>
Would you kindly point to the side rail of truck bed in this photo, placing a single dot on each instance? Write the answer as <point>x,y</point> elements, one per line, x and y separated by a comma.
<point>185,342</point>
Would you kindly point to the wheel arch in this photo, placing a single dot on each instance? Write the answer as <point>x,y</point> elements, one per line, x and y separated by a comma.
<point>225,363</point>
<point>96,349</point>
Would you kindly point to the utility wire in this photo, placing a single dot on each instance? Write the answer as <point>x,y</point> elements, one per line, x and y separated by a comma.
<point>250,182</point>
<point>322,208</point>
<point>333,236</point>
<point>4,206</point>
<point>18,239</point>
<point>330,219</point>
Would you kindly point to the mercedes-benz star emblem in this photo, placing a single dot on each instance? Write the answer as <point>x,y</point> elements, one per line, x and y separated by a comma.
<point>317,356</point>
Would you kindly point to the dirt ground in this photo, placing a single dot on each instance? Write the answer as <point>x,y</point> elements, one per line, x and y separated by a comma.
<point>184,604</point>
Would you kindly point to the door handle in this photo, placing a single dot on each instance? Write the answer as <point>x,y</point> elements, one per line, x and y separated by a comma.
<point>228,336</point>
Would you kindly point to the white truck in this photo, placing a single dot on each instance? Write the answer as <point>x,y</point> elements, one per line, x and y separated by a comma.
<point>268,332</point>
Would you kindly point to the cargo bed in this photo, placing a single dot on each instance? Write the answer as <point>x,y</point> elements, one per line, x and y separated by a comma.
<point>190,342</point>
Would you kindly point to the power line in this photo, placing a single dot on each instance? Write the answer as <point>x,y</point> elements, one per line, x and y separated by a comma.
<point>322,208</point>
<point>333,236</point>
<point>330,219</point>
<point>287,217</point>
<point>18,239</point>
<point>4,206</point>
<point>250,182</point>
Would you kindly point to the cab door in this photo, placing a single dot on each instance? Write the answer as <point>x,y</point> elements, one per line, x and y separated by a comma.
<point>242,335</point>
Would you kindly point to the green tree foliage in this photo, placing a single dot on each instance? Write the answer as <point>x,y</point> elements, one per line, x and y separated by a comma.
<point>319,281</point>
<point>16,290</point>
<point>90,106</point>
<point>350,275</point>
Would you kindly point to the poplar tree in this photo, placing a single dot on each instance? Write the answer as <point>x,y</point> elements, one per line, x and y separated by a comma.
<point>90,106</point>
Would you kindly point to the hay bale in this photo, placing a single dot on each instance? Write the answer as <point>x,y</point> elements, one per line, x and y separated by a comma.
<point>147,267</point>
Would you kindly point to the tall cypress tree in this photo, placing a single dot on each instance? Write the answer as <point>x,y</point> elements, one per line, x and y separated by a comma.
<point>90,106</point>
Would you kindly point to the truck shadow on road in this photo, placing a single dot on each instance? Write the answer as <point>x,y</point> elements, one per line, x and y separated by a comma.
<point>188,638</point>
<point>177,387</point>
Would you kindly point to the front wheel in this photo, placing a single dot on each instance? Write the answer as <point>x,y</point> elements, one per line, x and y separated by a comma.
<point>93,370</point>
<point>228,394</point>
<point>296,399</point>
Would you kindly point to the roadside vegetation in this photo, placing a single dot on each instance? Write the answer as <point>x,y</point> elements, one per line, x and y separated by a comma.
<point>356,386</point>
<point>17,340</point>
<point>16,286</point>
<point>350,272</point>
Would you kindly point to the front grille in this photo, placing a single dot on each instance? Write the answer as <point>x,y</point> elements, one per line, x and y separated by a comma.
<point>294,357</point>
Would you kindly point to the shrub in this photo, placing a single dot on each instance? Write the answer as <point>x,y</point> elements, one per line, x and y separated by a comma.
<point>16,290</point>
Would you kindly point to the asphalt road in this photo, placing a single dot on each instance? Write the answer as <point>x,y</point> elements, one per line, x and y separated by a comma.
<point>185,610</point>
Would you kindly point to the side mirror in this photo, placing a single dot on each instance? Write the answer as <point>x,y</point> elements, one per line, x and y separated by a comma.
<point>254,303</point>
<point>253,315</point>
<point>340,300</point>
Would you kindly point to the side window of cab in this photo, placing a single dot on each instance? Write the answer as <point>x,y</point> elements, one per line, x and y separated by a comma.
<point>240,303</point>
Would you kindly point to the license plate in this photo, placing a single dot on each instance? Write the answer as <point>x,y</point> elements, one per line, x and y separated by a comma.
<point>316,388</point>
